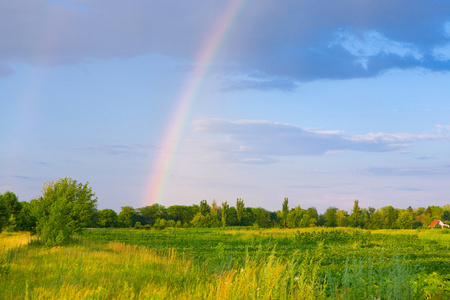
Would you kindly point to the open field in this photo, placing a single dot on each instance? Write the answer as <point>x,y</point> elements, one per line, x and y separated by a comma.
<point>230,264</point>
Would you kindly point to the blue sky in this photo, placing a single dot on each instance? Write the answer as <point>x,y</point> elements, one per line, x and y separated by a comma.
<point>323,102</point>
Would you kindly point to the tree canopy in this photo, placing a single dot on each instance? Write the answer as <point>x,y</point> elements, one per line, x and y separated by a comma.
<point>64,208</point>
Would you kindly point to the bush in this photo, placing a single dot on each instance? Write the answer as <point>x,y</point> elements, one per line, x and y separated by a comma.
<point>137,225</point>
<point>65,207</point>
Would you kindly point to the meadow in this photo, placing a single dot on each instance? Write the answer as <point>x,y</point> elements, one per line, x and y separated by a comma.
<point>221,263</point>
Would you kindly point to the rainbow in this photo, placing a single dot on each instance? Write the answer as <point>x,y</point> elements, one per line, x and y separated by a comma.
<point>164,162</point>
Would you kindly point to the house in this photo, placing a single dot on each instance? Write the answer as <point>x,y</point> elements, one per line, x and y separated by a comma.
<point>438,222</point>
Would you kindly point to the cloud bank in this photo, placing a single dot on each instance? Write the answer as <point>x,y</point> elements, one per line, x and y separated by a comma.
<point>303,41</point>
<point>261,141</point>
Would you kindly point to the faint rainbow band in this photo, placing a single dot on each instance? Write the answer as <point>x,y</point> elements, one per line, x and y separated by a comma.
<point>164,162</point>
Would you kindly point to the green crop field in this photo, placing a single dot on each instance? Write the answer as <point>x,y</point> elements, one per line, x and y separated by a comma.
<point>229,264</point>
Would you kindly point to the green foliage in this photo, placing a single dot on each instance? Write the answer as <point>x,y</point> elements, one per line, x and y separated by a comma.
<point>65,207</point>
<point>151,213</point>
<point>405,220</point>
<point>356,218</point>
<point>285,211</point>
<point>224,212</point>
<point>160,224</point>
<point>4,214</point>
<point>231,264</point>
<point>204,207</point>
<point>433,286</point>
<point>261,217</point>
<point>107,218</point>
<point>330,218</point>
<point>127,216</point>
<point>240,208</point>
<point>202,221</point>
<point>26,220</point>
<point>138,225</point>
<point>342,218</point>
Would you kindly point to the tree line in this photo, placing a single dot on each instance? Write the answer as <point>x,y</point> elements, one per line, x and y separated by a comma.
<point>66,206</point>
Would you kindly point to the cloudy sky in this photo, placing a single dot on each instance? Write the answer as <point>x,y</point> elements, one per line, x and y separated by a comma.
<point>177,101</point>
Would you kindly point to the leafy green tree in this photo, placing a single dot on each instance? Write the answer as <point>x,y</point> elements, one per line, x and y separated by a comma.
<point>204,207</point>
<point>151,213</point>
<point>240,209</point>
<point>355,215</point>
<point>261,217</point>
<point>181,213</point>
<point>342,218</point>
<point>127,216</point>
<point>307,221</point>
<point>4,213</point>
<point>170,223</point>
<point>26,220</point>
<point>201,221</point>
<point>330,217</point>
<point>285,211</point>
<point>390,215</point>
<point>213,219</point>
<point>107,218</point>
<point>65,207</point>
<point>14,207</point>
<point>160,224</point>
<point>295,217</point>
<point>376,220</point>
<point>225,208</point>
<point>314,216</point>
<point>405,220</point>
<point>232,217</point>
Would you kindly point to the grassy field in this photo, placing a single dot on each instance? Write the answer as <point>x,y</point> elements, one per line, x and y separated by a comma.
<point>229,264</point>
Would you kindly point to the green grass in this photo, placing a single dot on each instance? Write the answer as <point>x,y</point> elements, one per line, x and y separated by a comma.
<point>229,264</point>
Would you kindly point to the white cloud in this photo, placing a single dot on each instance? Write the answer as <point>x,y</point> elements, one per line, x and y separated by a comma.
<point>260,139</point>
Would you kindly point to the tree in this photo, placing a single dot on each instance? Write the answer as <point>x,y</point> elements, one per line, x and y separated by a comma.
<point>405,220</point>
<point>314,216</point>
<point>202,221</point>
<point>127,216</point>
<point>330,217</point>
<point>213,218</point>
<point>232,219</point>
<point>356,216</point>
<point>294,217</point>
<point>261,217</point>
<point>376,219</point>
<point>26,220</point>
<point>14,207</point>
<point>285,211</point>
<point>151,213</point>
<point>225,208</point>
<point>390,215</point>
<point>4,213</point>
<point>204,207</point>
<point>64,208</point>
<point>199,220</point>
<point>342,218</point>
<point>240,208</point>
<point>107,218</point>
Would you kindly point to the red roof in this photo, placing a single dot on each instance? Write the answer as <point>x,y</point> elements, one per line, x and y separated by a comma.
<point>433,223</point>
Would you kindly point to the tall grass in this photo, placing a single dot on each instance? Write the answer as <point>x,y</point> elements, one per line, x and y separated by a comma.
<point>120,271</point>
<point>334,266</point>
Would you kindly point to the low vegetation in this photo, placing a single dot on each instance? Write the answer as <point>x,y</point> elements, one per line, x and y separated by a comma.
<point>59,246</point>
<point>229,264</point>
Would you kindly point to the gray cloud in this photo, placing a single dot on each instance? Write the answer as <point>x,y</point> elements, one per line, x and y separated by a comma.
<point>414,171</point>
<point>23,177</point>
<point>304,40</point>
<point>263,138</point>
<point>133,150</point>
